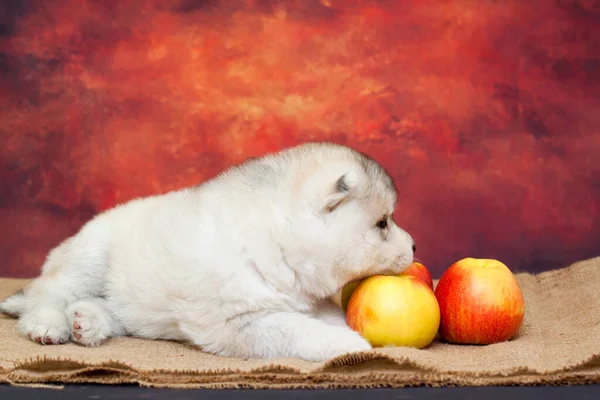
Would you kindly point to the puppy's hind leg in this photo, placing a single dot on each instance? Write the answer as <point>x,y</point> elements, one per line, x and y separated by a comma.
<point>73,270</point>
<point>40,305</point>
<point>92,322</point>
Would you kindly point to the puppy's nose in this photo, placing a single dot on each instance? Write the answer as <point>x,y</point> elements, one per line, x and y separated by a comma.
<point>414,248</point>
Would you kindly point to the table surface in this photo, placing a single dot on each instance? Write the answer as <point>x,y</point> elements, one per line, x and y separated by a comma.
<point>133,392</point>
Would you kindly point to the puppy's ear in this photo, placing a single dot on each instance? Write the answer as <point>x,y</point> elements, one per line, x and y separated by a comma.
<point>340,191</point>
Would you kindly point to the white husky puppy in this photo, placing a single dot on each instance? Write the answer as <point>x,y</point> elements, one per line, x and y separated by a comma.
<point>242,265</point>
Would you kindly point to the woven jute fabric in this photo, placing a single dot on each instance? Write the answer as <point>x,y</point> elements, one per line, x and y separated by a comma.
<point>559,343</point>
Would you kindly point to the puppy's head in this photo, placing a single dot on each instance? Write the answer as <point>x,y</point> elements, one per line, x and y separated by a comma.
<point>349,231</point>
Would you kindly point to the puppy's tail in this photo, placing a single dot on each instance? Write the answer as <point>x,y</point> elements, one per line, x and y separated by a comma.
<point>14,305</point>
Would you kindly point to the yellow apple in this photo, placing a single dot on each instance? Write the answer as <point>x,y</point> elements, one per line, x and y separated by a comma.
<point>416,269</point>
<point>394,311</point>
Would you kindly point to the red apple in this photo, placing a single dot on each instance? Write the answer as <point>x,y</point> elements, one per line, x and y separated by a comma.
<point>419,271</point>
<point>480,302</point>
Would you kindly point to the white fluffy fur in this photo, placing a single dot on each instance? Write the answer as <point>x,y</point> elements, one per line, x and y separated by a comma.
<point>242,265</point>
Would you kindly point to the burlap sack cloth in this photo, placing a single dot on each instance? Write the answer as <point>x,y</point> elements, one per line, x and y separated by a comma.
<point>559,343</point>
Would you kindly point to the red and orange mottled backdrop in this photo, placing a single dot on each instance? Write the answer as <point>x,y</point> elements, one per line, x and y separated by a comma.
<point>486,112</point>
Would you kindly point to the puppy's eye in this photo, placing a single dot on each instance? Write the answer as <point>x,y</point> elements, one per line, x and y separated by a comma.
<point>382,223</point>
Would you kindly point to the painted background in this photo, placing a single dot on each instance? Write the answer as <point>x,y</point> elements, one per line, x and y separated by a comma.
<point>487,113</point>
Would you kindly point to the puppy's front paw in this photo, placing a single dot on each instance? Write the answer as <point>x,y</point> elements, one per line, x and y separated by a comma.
<point>352,343</point>
<point>344,342</point>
